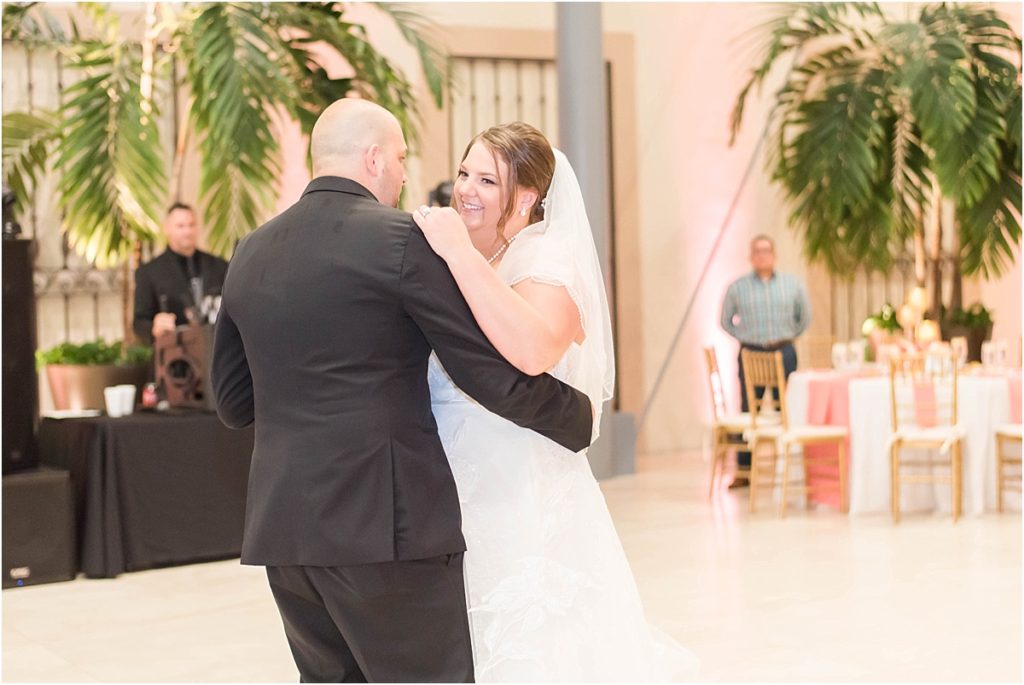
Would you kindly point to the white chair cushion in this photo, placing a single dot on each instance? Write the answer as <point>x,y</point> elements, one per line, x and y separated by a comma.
<point>776,432</point>
<point>930,434</point>
<point>1010,430</point>
<point>751,435</point>
<point>946,436</point>
<point>814,433</point>
<point>738,423</point>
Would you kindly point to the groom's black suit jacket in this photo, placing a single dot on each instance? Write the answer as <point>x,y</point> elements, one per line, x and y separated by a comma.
<point>329,314</point>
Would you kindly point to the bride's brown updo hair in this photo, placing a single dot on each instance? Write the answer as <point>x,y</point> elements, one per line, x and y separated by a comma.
<point>531,164</point>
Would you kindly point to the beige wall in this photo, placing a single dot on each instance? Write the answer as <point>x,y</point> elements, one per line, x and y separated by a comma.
<point>688,72</point>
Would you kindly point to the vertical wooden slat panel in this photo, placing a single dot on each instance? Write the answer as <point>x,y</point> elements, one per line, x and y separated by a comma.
<point>109,325</point>
<point>520,93</point>
<point>484,95</point>
<point>49,320</point>
<point>869,291</point>
<point>550,128</point>
<point>47,76</point>
<point>859,308</point>
<point>544,77</point>
<point>15,79</point>
<point>879,295</point>
<point>508,88</point>
<point>530,80</point>
<point>496,91</point>
<point>82,323</point>
<point>460,111</point>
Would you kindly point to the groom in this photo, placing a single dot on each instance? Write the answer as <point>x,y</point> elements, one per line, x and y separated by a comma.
<point>329,314</point>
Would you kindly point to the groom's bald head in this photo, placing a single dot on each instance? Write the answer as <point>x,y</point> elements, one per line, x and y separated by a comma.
<point>360,140</point>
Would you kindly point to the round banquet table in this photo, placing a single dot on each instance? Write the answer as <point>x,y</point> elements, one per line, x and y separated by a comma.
<point>860,400</point>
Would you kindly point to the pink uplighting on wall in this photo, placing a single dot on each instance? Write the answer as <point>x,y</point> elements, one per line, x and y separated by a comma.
<point>728,264</point>
<point>295,175</point>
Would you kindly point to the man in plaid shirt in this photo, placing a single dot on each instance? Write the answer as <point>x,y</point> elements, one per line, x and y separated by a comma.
<point>765,310</point>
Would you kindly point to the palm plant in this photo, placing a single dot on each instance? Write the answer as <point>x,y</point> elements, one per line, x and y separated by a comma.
<point>239,63</point>
<point>881,122</point>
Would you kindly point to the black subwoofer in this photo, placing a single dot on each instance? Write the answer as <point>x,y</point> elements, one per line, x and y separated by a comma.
<point>20,383</point>
<point>38,527</point>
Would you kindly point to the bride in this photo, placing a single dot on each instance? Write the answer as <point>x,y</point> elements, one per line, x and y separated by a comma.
<point>550,593</point>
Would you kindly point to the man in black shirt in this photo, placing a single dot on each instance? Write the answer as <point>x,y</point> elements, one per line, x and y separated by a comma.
<point>168,284</point>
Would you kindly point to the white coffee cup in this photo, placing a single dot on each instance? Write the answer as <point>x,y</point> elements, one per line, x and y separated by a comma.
<point>126,397</point>
<point>112,399</point>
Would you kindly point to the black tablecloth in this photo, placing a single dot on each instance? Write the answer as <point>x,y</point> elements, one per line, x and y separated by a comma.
<point>152,489</point>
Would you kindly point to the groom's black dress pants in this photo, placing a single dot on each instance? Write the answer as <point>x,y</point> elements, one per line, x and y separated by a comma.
<point>398,621</point>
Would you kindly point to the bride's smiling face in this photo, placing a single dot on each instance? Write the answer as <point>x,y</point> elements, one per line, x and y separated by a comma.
<point>479,193</point>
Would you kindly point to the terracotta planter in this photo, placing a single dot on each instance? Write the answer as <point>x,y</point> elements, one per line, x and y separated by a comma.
<point>77,387</point>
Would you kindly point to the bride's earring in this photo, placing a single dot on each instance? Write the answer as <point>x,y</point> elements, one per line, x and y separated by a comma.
<point>522,211</point>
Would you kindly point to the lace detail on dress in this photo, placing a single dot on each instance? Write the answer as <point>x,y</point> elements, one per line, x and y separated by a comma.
<point>520,605</point>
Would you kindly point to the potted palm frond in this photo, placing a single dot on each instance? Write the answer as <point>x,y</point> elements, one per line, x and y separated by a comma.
<point>893,132</point>
<point>238,65</point>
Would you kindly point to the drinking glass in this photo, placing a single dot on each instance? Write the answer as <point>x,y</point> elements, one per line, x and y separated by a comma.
<point>839,355</point>
<point>1001,352</point>
<point>988,354</point>
<point>856,353</point>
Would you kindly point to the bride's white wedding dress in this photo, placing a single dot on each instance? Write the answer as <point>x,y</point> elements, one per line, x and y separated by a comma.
<point>550,593</point>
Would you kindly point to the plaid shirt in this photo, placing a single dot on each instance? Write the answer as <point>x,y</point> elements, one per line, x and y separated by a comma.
<point>756,312</point>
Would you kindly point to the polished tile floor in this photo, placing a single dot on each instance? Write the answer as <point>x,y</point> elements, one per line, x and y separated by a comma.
<point>814,597</point>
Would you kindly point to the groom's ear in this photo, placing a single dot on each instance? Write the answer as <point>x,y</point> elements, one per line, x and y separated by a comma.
<point>372,160</point>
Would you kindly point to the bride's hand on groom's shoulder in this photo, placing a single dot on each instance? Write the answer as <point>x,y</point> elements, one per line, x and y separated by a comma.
<point>444,230</point>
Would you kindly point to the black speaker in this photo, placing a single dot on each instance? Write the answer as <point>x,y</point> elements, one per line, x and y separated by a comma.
<point>38,527</point>
<point>20,383</point>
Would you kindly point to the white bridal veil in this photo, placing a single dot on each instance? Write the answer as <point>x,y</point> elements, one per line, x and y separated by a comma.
<point>561,251</point>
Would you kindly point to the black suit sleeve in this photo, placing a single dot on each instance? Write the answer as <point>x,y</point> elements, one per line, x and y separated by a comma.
<point>541,403</point>
<point>146,307</point>
<point>231,379</point>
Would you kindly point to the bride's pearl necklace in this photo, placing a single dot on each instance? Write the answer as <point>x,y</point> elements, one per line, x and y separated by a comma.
<point>502,248</point>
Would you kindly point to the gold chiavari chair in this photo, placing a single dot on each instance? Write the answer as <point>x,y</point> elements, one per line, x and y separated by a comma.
<point>923,399</point>
<point>762,369</point>
<point>1007,477</point>
<point>766,369</point>
<point>727,429</point>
